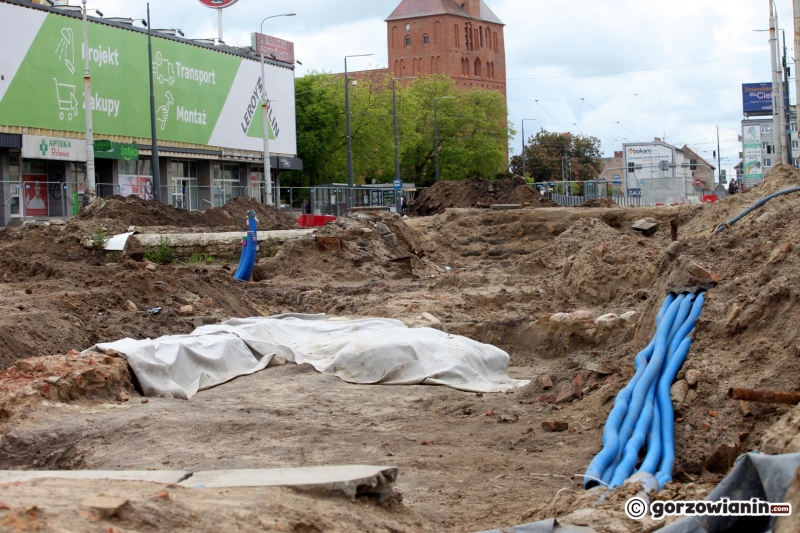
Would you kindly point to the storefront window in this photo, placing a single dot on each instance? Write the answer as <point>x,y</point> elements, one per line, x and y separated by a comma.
<point>135,179</point>
<point>183,185</point>
<point>14,177</point>
<point>226,183</point>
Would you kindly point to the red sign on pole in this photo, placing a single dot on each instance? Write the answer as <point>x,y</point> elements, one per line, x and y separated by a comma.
<point>218,4</point>
<point>274,48</point>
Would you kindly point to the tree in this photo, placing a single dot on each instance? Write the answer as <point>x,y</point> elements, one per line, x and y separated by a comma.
<point>545,152</point>
<point>473,130</point>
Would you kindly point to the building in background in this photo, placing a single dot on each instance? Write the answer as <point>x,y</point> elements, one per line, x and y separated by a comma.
<point>663,174</point>
<point>207,96</point>
<point>758,146</point>
<point>758,138</point>
<point>460,39</point>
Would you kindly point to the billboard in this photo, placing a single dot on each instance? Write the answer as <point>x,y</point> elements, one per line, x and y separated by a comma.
<point>757,98</point>
<point>203,96</point>
<point>648,155</point>
<point>277,49</point>
<point>751,139</point>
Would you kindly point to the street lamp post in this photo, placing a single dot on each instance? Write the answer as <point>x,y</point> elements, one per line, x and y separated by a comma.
<point>436,131</point>
<point>524,141</point>
<point>396,145</point>
<point>349,137</point>
<point>264,115</point>
<point>87,90</point>
<point>154,163</point>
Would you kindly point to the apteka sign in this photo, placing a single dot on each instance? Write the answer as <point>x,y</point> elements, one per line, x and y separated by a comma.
<point>218,4</point>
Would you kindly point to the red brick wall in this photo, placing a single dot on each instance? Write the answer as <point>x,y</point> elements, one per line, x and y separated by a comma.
<point>470,51</point>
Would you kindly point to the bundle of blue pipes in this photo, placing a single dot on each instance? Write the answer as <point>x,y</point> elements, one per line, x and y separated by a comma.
<point>249,249</point>
<point>643,410</point>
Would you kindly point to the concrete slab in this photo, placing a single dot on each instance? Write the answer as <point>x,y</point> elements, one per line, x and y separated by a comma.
<point>156,476</point>
<point>152,240</point>
<point>351,480</point>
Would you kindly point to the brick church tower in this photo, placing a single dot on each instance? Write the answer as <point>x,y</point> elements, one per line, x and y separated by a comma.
<point>461,39</point>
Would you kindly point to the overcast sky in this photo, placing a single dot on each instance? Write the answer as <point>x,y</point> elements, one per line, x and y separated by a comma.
<point>691,56</point>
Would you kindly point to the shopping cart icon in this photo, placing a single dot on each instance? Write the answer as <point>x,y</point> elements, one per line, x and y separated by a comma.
<point>66,100</point>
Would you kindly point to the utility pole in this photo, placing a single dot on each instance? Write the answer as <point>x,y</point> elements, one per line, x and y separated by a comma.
<point>719,159</point>
<point>524,143</point>
<point>778,117</point>
<point>797,55</point>
<point>396,133</point>
<point>786,107</point>
<point>91,182</point>
<point>264,114</point>
<point>350,183</point>
<point>436,131</point>
<point>154,163</point>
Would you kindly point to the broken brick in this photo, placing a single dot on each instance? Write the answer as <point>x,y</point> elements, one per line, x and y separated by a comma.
<point>553,426</point>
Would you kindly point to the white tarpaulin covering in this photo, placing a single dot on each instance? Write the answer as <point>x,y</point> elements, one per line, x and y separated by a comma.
<point>368,351</point>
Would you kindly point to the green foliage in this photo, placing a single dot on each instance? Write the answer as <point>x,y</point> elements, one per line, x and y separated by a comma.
<point>163,253</point>
<point>544,157</point>
<point>197,259</point>
<point>99,238</point>
<point>473,130</point>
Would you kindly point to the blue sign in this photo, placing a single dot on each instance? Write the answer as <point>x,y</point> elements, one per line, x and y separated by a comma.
<point>617,179</point>
<point>757,98</point>
<point>398,184</point>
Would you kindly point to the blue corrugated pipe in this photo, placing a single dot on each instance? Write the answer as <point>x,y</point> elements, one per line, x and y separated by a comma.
<point>248,260</point>
<point>241,259</point>
<point>753,207</point>
<point>630,453</point>
<point>664,473</point>
<point>596,473</point>
<point>643,409</point>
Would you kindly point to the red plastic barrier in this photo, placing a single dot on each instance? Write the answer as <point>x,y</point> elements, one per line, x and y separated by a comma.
<point>710,198</point>
<point>313,221</point>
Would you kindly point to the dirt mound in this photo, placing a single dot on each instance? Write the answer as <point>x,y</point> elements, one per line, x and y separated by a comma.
<point>374,248</point>
<point>133,211</point>
<point>778,179</point>
<point>476,192</point>
<point>599,264</point>
<point>600,202</point>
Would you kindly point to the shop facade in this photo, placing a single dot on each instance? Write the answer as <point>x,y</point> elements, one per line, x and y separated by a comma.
<point>208,105</point>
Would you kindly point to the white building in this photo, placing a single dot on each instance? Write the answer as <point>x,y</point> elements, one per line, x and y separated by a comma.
<point>664,174</point>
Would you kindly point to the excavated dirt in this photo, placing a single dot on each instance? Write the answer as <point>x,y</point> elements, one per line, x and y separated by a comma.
<point>570,293</point>
<point>600,202</point>
<point>118,212</point>
<point>476,192</point>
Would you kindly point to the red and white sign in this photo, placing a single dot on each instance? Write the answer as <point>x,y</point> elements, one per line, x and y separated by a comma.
<point>218,4</point>
<point>274,48</point>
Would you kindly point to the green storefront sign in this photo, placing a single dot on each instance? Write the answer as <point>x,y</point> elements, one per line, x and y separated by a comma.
<point>112,150</point>
<point>202,96</point>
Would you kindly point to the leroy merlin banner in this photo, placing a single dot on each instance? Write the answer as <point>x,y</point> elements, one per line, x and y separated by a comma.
<point>202,96</point>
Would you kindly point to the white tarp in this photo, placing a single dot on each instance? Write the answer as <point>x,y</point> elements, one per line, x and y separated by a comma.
<point>368,351</point>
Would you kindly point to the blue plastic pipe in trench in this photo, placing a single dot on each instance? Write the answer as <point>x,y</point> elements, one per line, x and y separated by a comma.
<point>249,249</point>
<point>643,410</point>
